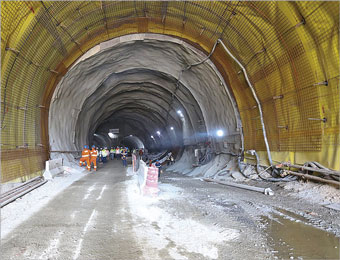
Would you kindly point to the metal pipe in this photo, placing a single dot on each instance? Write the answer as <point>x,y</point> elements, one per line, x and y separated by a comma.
<point>266,191</point>
<point>256,99</point>
<point>315,178</point>
<point>205,59</point>
<point>323,171</point>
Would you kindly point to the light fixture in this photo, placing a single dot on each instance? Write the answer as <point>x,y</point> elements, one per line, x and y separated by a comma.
<point>159,133</point>
<point>179,112</point>
<point>130,135</point>
<point>111,135</point>
<point>172,128</point>
<point>152,137</point>
<point>220,133</point>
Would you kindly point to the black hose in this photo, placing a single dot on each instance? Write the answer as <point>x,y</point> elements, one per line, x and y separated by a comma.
<point>276,173</point>
<point>241,168</point>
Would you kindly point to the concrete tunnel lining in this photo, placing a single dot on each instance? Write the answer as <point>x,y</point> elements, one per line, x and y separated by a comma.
<point>151,91</point>
<point>133,140</point>
<point>165,55</point>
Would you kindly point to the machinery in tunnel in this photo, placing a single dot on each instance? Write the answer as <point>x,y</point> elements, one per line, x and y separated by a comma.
<point>264,74</point>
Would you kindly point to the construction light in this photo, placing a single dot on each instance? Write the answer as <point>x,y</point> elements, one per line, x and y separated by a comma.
<point>220,133</point>
<point>152,137</point>
<point>111,135</point>
<point>172,128</point>
<point>159,133</point>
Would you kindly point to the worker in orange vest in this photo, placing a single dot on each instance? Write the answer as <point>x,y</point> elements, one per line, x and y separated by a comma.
<point>94,154</point>
<point>85,157</point>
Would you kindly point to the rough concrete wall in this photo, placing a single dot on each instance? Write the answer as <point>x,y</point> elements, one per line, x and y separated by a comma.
<point>127,77</point>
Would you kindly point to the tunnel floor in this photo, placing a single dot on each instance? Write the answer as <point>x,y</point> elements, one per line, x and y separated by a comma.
<point>102,216</point>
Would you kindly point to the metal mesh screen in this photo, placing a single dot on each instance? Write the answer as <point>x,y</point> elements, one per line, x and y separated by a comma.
<point>290,50</point>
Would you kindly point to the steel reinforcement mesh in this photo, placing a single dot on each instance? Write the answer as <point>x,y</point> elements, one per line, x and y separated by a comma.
<point>289,49</point>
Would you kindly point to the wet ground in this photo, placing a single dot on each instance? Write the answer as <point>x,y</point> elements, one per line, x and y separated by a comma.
<point>305,231</point>
<point>102,216</point>
<point>298,240</point>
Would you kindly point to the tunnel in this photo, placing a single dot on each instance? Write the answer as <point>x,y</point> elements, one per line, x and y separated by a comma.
<point>149,92</point>
<point>263,73</point>
<point>221,87</point>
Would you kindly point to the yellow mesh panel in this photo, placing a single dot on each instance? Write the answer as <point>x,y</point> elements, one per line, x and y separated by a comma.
<point>290,51</point>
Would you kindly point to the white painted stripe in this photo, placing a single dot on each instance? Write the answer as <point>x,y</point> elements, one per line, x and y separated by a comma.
<point>80,243</point>
<point>89,190</point>
<point>101,193</point>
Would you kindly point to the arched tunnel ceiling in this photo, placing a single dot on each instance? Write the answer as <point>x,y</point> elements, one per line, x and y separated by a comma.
<point>289,49</point>
<point>145,79</point>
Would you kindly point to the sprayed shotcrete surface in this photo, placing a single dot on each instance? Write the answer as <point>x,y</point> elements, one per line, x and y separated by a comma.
<point>131,77</point>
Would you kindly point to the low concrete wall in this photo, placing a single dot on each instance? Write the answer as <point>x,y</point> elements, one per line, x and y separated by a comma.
<point>53,168</point>
<point>57,166</point>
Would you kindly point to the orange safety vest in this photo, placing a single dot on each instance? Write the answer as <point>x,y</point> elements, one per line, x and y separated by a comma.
<point>85,153</point>
<point>94,153</point>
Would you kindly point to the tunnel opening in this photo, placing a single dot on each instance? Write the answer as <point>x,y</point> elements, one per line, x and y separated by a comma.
<point>148,90</point>
<point>244,94</point>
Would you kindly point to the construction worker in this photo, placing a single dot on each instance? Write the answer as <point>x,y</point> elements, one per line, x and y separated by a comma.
<point>124,154</point>
<point>112,153</point>
<point>98,157</point>
<point>94,154</point>
<point>85,157</point>
<point>107,154</point>
<point>104,155</point>
<point>117,152</point>
<point>159,166</point>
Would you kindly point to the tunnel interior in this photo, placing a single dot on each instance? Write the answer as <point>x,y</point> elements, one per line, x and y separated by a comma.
<point>145,87</point>
<point>265,73</point>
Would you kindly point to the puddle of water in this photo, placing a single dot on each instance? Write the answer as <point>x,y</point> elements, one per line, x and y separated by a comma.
<point>296,239</point>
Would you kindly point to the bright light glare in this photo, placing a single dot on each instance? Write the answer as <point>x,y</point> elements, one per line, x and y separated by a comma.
<point>111,135</point>
<point>172,128</point>
<point>159,133</point>
<point>179,112</point>
<point>130,135</point>
<point>220,133</point>
<point>152,137</point>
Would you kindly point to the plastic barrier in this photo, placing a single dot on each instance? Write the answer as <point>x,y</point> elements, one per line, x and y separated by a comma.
<point>151,185</point>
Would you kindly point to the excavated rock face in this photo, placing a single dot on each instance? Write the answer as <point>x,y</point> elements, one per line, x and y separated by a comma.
<point>139,85</point>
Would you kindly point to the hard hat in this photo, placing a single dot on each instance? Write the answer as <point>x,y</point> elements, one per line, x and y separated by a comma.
<point>85,146</point>
<point>93,146</point>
